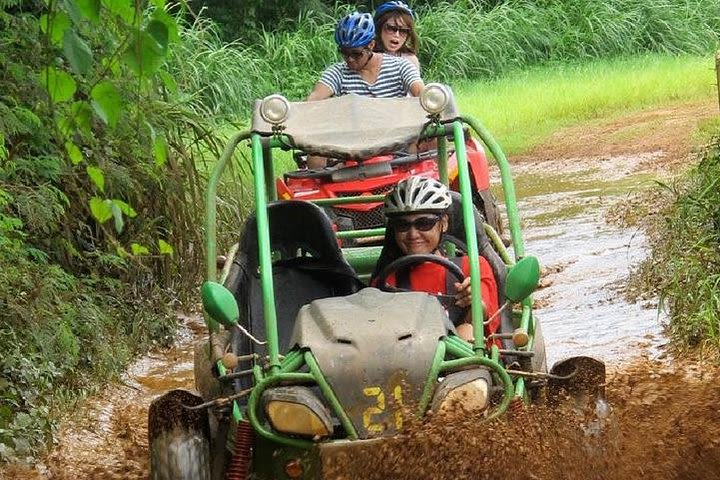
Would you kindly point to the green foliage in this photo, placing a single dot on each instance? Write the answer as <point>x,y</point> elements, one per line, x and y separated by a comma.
<point>466,40</point>
<point>98,155</point>
<point>60,333</point>
<point>684,267</point>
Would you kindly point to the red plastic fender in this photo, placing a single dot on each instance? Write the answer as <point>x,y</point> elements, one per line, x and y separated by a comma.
<point>283,192</point>
<point>479,167</point>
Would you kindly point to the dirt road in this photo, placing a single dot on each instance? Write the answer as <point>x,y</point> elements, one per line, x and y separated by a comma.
<point>666,425</point>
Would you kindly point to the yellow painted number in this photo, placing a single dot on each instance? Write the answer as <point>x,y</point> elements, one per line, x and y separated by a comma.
<point>379,409</point>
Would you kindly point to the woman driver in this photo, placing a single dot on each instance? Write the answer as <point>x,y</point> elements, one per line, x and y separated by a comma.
<point>416,210</point>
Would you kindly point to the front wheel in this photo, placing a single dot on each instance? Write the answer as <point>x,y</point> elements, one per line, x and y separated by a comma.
<point>179,438</point>
<point>180,454</point>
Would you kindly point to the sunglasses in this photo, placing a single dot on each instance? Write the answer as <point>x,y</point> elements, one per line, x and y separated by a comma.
<point>422,224</point>
<point>395,29</point>
<point>352,54</point>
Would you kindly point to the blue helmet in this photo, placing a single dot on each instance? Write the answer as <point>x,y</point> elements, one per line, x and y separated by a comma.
<point>355,30</point>
<point>394,5</point>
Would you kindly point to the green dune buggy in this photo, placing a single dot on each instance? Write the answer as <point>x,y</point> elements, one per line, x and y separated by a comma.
<point>303,359</point>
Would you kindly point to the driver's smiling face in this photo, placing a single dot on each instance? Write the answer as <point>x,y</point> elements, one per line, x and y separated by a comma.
<point>416,239</point>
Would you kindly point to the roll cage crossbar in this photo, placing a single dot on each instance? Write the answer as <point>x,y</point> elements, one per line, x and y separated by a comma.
<point>281,369</point>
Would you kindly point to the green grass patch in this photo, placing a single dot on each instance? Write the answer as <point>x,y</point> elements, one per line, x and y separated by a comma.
<point>523,109</point>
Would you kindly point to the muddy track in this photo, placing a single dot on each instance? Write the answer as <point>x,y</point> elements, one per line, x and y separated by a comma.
<point>665,423</point>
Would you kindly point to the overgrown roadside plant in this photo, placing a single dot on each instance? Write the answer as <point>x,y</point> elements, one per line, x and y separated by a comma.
<point>684,265</point>
<point>102,173</point>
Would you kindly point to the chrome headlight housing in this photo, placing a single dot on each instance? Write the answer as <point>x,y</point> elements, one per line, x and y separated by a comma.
<point>469,388</point>
<point>296,410</point>
<point>275,109</point>
<point>434,98</point>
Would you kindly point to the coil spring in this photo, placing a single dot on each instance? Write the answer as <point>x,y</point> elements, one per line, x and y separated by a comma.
<point>516,405</point>
<point>239,467</point>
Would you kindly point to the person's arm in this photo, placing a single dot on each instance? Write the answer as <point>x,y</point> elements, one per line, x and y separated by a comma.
<point>411,77</point>
<point>329,85</point>
<point>319,92</point>
<point>416,88</point>
<point>412,58</point>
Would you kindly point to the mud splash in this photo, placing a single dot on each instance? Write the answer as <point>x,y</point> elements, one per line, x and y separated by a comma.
<point>664,426</point>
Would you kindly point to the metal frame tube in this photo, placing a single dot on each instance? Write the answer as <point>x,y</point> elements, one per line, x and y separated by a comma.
<point>265,262</point>
<point>507,184</point>
<point>476,306</point>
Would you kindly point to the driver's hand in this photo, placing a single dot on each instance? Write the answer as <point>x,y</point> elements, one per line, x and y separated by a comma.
<point>463,297</point>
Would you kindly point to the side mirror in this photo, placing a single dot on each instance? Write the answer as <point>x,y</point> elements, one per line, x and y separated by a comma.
<point>220,304</point>
<point>522,279</point>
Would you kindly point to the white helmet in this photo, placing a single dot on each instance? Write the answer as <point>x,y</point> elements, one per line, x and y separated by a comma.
<point>417,194</point>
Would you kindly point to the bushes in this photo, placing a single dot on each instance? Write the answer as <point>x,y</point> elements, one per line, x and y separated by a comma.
<point>684,267</point>
<point>62,335</point>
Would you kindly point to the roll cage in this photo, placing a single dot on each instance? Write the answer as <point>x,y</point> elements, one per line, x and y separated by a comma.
<point>445,128</point>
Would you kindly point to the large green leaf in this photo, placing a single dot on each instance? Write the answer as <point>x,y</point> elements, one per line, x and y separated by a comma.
<point>59,85</point>
<point>77,52</point>
<point>147,51</point>
<point>165,248</point>
<point>100,209</point>
<point>125,9</point>
<point>55,26</point>
<point>73,152</point>
<point>90,9</point>
<point>170,24</point>
<point>159,31</point>
<point>124,208</point>
<point>97,177</point>
<point>107,102</point>
<point>138,249</point>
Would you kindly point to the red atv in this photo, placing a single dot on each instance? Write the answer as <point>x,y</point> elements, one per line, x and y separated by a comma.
<point>377,176</point>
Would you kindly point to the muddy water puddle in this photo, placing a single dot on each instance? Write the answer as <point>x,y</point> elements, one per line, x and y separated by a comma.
<point>585,260</point>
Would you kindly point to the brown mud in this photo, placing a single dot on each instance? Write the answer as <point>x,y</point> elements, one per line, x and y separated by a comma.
<point>665,422</point>
<point>665,425</point>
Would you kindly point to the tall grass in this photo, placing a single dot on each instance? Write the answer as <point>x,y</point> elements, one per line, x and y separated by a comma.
<point>461,40</point>
<point>523,109</point>
<point>684,268</point>
<point>470,42</point>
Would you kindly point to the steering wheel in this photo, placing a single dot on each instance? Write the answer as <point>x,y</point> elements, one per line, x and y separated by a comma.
<point>407,261</point>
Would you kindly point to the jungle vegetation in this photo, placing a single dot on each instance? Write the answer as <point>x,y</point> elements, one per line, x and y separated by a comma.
<point>110,111</point>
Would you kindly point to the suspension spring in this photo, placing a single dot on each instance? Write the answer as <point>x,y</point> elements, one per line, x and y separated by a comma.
<point>239,467</point>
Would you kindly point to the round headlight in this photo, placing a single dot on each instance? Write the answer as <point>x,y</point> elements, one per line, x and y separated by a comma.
<point>275,109</point>
<point>434,98</point>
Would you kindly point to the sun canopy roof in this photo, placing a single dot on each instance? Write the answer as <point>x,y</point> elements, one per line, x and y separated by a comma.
<point>351,126</point>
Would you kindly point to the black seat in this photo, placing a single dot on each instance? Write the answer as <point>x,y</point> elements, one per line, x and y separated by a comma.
<point>307,265</point>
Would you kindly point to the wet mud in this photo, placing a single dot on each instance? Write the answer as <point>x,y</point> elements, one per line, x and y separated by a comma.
<point>664,425</point>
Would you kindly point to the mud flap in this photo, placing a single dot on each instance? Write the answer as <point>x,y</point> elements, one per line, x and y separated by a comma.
<point>581,378</point>
<point>178,438</point>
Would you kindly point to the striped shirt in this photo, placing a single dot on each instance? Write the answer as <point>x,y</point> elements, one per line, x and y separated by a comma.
<point>396,76</point>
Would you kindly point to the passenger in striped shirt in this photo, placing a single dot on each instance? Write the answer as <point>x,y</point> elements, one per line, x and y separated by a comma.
<point>364,71</point>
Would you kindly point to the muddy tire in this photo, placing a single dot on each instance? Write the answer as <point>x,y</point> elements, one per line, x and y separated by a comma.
<point>486,203</point>
<point>180,454</point>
